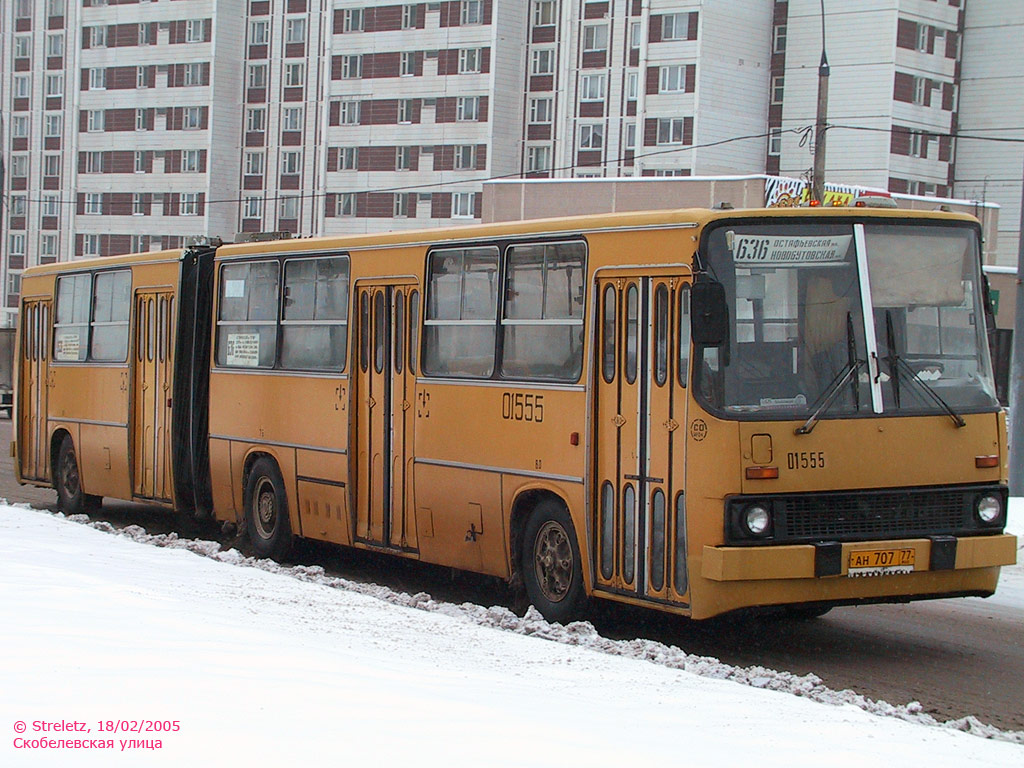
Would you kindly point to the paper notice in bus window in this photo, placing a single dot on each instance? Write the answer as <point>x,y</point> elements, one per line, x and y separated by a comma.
<point>66,346</point>
<point>243,349</point>
<point>234,289</point>
<point>782,251</point>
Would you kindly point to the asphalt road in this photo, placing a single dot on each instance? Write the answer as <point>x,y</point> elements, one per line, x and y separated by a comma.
<point>957,657</point>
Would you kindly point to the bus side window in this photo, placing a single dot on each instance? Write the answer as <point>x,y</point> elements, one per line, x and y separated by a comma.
<point>71,331</point>
<point>608,340</point>
<point>314,324</point>
<point>248,309</point>
<point>414,331</point>
<point>111,307</point>
<point>683,337</point>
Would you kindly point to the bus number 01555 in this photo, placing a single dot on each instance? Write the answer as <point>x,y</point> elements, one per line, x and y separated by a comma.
<point>518,406</point>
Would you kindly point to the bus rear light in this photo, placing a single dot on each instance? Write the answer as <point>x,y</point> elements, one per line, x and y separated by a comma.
<point>574,438</point>
<point>986,462</point>
<point>762,473</point>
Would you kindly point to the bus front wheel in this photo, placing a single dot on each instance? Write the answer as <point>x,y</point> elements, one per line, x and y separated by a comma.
<point>552,571</point>
<point>266,511</point>
<point>71,499</point>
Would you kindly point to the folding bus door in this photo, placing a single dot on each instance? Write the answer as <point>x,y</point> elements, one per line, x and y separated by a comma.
<point>638,439</point>
<point>33,388</point>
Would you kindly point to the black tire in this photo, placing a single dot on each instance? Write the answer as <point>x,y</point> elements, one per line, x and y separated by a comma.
<point>266,511</point>
<point>551,564</point>
<point>71,499</point>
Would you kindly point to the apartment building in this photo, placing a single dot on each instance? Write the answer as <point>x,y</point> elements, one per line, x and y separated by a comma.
<point>140,124</point>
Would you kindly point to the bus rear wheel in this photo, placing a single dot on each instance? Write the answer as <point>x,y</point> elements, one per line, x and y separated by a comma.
<point>266,511</point>
<point>71,499</point>
<point>551,564</point>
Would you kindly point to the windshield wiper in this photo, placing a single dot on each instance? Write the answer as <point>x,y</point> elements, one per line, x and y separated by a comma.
<point>847,374</point>
<point>897,366</point>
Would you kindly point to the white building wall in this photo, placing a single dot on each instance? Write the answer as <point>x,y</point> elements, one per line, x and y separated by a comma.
<point>991,106</point>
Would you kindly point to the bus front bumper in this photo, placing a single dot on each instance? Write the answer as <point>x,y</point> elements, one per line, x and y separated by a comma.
<point>833,559</point>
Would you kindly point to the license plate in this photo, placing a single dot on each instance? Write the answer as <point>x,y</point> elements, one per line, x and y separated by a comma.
<point>880,562</point>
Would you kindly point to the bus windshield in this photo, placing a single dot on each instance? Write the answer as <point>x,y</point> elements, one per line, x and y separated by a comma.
<point>800,342</point>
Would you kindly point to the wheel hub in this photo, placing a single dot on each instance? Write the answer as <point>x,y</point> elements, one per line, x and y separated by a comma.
<point>553,561</point>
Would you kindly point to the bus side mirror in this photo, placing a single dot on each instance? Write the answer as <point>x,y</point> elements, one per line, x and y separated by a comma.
<point>709,314</point>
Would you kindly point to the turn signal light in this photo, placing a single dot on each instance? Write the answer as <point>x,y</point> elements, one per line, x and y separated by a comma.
<point>762,473</point>
<point>986,462</point>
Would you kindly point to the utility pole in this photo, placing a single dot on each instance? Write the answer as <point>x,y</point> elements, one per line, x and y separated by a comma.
<point>1016,426</point>
<point>818,175</point>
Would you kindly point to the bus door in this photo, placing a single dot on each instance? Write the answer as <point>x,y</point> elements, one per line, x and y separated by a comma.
<point>33,388</point>
<point>384,380</point>
<point>642,340</point>
<point>151,433</point>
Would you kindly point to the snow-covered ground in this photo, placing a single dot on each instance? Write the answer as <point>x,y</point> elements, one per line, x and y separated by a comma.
<point>251,663</point>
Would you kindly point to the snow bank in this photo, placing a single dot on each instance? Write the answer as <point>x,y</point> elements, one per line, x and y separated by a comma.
<point>265,668</point>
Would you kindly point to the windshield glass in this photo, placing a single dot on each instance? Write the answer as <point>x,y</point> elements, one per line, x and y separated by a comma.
<point>797,331</point>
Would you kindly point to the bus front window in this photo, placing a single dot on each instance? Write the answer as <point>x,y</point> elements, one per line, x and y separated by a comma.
<point>797,336</point>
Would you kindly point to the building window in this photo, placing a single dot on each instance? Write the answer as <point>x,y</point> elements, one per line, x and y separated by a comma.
<point>410,16</point>
<point>295,74</point>
<point>193,74</point>
<point>21,86</point>
<point>17,244</point>
<point>407,64</point>
<point>629,141</point>
<point>921,87</point>
<point>351,67</point>
<point>675,26</point>
<point>542,61</point>
<point>138,207</point>
<point>22,9</point>
<point>142,77</point>
<point>405,110</point>
<point>778,89</point>
<point>145,38</point>
<point>140,243</point>
<point>541,110</point>
<point>592,87</point>
<point>636,35</point>
<point>189,204</point>
<point>54,7</point>
<point>295,30</point>
<point>139,161</point>
<point>352,20</point>
<point>673,79</point>
<point>403,159</point>
<point>472,12</point>
<point>192,118</point>
<point>97,79</point>
<point>465,157</point>
<point>90,245</point>
<point>257,75</point>
<point>93,203</point>
<point>918,144</point>
<point>253,163</point>
<point>779,39</point>
<point>289,208</point>
<point>55,45</point>
<point>94,120</point>
<point>93,162</point>
<point>291,119</point>
<point>51,165</point>
<point>259,32</point>
<point>591,137</point>
<point>17,205</point>
<point>469,60</point>
<point>348,158</point>
<point>670,130</point>
<point>538,158</point>
<point>52,126</point>
<point>348,112</point>
<point>141,124</point>
<point>595,37</point>
<point>252,208</point>
<point>291,163</point>
<point>467,108</point>
<point>256,119</point>
<point>190,161</point>
<point>97,37</point>
<point>462,205</point>
<point>401,205</point>
<point>48,245</point>
<point>922,37</point>
<point>19,127</point>
<point>544,13</point>
<point>632,85</point>
<point>774,142</point>
<point>194,30</point>
<point>346,204</point>
<point>19,165</point>
<point>22,47</point>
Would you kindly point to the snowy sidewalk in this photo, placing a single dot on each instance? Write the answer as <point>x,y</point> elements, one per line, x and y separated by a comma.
<point>259,668</point>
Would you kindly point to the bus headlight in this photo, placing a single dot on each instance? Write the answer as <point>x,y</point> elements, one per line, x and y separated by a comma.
<point>757,520</point>
<point>988,508</point>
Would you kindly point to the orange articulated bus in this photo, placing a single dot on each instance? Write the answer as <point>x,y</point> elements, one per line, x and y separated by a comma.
<point>696,410</point>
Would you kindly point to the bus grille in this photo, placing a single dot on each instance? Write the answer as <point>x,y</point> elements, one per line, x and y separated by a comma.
<point>866,515</point>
